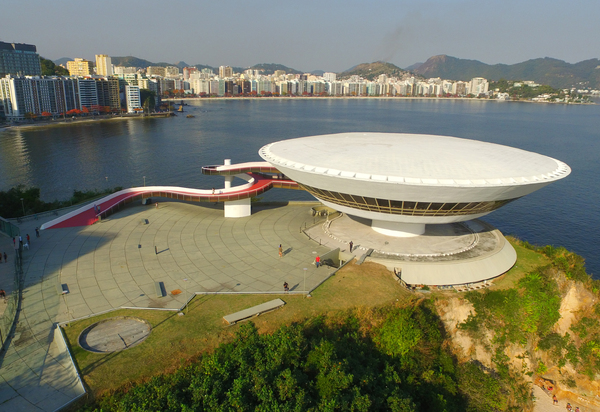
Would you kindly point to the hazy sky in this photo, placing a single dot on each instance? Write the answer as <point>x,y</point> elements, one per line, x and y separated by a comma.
<point>331,35</point>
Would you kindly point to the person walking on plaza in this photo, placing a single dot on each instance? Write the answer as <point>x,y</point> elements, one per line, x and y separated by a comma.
<point>28,238</point>
<point>351,244</point>
<point>280,251</point>
<point>317,261</point>
<point>37,232</point>
<point>5,258</point>
<point>286,287</point>
<point>21,242</point>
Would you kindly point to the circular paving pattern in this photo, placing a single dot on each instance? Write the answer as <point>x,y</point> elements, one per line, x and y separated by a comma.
<point>114,334</point>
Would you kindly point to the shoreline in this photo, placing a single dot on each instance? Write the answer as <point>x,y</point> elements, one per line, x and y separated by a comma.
<point>70,122</point>
<point>184,99</point>
<point>67,122</point>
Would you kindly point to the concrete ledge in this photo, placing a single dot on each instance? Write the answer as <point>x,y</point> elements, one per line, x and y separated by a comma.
<point>254,311</point>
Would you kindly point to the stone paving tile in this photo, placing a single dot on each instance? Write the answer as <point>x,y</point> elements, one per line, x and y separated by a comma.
<point>91,292</point>
<point>122,278</point>
<point>19,404</point>
<point>6,392</point>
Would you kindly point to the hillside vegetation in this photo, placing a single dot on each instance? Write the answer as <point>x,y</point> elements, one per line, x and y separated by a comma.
<point>131,61</point>
<point>49,68</point>
<point>372,71</point>
<point>270,68</point>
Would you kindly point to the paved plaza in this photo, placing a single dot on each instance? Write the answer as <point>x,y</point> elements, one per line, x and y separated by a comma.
<point>115,264</point>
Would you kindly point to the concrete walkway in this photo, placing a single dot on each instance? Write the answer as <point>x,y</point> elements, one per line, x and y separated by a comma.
<point>114,264</point>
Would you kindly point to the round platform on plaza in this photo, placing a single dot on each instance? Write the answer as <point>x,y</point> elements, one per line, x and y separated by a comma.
<point>114,334</point>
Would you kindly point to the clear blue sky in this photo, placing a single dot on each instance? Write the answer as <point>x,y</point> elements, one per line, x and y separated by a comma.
<point>331,35</point>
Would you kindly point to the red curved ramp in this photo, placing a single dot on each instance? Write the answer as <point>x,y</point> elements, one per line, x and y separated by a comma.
<point>91,213</point>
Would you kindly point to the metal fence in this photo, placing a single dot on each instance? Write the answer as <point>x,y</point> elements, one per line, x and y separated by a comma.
<point>12,299</point>
<point>8,228</point>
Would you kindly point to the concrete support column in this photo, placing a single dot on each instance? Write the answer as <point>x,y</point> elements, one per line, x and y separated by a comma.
<point>228,179</point>
<point>398,229</point>
<point>238,208</point>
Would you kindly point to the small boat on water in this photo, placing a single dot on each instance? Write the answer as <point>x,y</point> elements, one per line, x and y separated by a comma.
<point>189,116</point>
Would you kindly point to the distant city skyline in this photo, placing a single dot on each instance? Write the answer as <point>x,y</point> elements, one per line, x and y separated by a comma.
<point>331,35</point>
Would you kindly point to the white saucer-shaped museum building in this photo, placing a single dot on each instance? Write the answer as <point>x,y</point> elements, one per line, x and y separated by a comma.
<point>404,181</point>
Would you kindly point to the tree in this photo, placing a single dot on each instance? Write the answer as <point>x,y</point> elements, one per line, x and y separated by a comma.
<point>51,69</point>
<point>148,99</point>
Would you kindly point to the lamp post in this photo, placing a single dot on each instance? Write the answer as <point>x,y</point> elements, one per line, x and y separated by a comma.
<point>144,181</point>
<point>23,204</point>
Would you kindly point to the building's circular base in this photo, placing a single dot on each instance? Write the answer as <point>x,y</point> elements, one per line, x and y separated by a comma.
<point>398,229</point>
<point>446,254</point>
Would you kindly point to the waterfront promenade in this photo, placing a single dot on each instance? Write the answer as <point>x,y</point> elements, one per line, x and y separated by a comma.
<point>115,264</point>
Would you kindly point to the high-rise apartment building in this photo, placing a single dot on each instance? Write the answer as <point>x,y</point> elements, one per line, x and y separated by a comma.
<point>188,72</point>
<point>225,72</point>
<point>22,96</point>
<point>479,85</point>
<point>329,77</point>
<point>19,59</point>
<point>80,67</point>
<point>104,65</point>
<point>156,71</point>
<point>108,94</point>
<point>172,72</point>
<point>88,94</point>
<point>132,95</point>
<point>117,70</point>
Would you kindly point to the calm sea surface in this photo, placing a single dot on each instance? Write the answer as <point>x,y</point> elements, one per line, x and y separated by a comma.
<point>172,151</point>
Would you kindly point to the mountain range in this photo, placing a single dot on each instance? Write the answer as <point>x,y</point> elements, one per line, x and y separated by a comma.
<point>553,72</point>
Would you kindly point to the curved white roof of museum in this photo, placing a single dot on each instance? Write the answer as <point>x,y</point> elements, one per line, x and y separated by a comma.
<point>414,159</point>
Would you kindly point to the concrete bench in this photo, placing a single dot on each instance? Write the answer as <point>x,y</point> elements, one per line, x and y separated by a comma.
<point>62,288</point>
<point>160,289</point>
<point>254,311</point>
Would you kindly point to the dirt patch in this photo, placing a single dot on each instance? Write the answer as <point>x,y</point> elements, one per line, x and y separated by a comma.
<point>576,299</point>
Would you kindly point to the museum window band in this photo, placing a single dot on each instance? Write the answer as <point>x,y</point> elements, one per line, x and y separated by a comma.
<point>406,208</point>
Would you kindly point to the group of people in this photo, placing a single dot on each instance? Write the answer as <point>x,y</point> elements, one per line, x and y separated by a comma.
<point>21,245</point>
<point>569,407</point>
<point>317,262</point>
